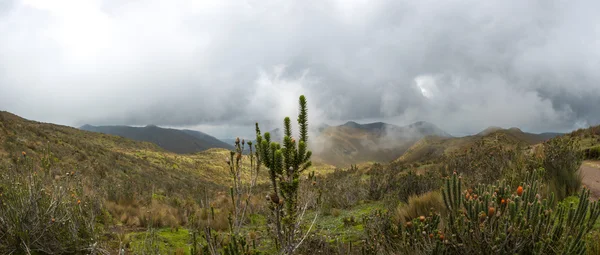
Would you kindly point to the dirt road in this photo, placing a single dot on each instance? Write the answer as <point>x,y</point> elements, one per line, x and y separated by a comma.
<point>590,171</point>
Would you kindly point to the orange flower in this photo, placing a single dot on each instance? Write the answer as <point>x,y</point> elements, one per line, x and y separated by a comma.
<point>53,220</point>
<point>442,237</point>
<point>78,201</point>
<point>491,211</point>
<point>520,190</point>
<point>430,235</point>
<point>24,153</point>
<point>422,218</point>
<point>409,224</point>
<point>503,201</point>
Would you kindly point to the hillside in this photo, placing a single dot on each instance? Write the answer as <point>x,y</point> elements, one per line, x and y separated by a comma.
<point>353,143</point>
<point>117,168</point>
<point>107,159</point>
<point>431,148</point>
<point>517,133</point>
<point>174,140</point>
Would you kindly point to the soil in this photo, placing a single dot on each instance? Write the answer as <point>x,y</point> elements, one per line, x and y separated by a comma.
<point>590,171</point>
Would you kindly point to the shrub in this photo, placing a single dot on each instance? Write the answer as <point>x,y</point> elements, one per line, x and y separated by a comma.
<point>342,189</point>
<point>285,163</point>
<point>592,153</point>
<point>562,159</point>
<point>41,214</point>
<point>593,245</point>
<point>491,219</point>
<point>484,162</point>
<point>394,186</point>
<point>419,205</point>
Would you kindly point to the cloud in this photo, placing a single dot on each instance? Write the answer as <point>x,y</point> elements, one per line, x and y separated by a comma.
<point>222,65</point>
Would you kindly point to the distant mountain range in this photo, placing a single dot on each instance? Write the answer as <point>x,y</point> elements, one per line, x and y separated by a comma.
<point>342,145</point>
<point>174,140</point>
<point>353,143</point>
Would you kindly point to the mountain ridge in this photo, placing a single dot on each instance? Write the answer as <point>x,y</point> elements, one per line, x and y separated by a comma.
<point>352,142</point>
<point>175,140</point>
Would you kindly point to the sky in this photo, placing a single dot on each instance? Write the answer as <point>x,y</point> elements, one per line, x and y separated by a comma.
<point>220,66</point>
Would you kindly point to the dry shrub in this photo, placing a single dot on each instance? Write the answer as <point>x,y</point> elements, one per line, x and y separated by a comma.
<point>42,215</point>
<point>157,214</point>
<point>419,205</point>
<point>342,188</point>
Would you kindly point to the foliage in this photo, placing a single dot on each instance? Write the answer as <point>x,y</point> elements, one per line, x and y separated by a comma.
<point>391,184</point>
<point>419,205</point>
<point>562,159</point>
<point>240,194</point>
<point>491,219</point>
<point>342,188</point>
<point>285,165</point>
<point>592,153</point>
<point>42,214</point>
<point>484,162</point>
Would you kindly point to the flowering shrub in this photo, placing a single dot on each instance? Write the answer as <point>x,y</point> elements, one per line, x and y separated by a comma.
<point>490,219</point>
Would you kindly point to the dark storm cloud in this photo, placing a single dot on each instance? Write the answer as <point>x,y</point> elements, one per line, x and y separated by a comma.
<point>463,65</point>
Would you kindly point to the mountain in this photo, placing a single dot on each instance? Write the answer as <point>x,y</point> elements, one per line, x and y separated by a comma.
<point>432,148</point>
<point>353,143</point>
<point>530,138</point>
<point>174,140</point>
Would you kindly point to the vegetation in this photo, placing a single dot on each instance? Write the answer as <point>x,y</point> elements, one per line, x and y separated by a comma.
<point>491,219</point>
<point>42,214</point>
<point>490,193</point>
<point>285,165</point>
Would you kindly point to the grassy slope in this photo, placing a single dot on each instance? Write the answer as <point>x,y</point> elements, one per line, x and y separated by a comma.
<point>108,162</point>
<point>431,148</point>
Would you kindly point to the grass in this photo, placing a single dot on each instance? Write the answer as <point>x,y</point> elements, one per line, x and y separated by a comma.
<point>334,228</point>
<point>167,239</point>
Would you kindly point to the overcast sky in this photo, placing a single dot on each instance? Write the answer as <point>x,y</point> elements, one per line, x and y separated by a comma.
<point>221,65</point>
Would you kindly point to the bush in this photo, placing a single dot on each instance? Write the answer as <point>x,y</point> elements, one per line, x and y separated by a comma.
<point>484,162</point>
<point>419,205</point>
<point>562,159</point>
<point>342,189</point>
<point>394,186</point>
<point>490,219</point>
<point>43,214</point>
<point>592,153</point>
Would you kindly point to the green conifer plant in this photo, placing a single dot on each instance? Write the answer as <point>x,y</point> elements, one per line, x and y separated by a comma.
<point>286,163</point>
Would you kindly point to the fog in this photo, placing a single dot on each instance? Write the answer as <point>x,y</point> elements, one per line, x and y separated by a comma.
<point>220,66</point>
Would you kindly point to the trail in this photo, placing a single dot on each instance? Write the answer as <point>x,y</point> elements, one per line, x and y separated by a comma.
<point>590,171</point>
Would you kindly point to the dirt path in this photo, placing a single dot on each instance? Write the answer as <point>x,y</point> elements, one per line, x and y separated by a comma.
<point>590,171</point>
